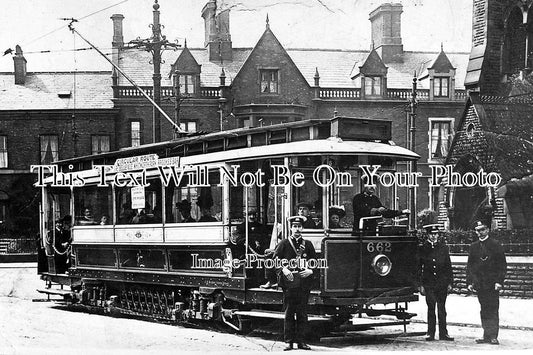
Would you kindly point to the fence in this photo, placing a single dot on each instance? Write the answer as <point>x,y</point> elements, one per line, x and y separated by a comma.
<point>18,246</point>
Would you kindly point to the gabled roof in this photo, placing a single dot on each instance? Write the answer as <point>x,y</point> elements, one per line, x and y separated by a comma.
<point>269,36</point>
<point>372,65</point>
<point>508,133</point>
<point>186,62</point>
<point>41,91</point>
<point>442,63</point>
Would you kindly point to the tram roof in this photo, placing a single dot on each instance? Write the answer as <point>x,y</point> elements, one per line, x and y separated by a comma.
<point>338,135</point>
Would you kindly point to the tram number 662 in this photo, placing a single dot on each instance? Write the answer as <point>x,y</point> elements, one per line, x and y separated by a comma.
<point>379,247</point>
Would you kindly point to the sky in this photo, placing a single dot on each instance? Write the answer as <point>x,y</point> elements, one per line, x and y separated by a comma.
<point>35,25</point>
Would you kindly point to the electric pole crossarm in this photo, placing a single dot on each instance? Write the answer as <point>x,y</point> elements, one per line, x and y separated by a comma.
<point>176,127</point>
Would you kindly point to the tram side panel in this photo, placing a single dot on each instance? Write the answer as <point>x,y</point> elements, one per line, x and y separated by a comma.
<point>368,266</point>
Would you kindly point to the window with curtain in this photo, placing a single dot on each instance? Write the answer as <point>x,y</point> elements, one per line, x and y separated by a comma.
<point>441,132</point>
<point>99,144</point>
<point>269,81</point>
<point>373,86</point>
<point>135,133</point>
<point>441,86</point>
<point>49,149</point>
<point>3,151</point>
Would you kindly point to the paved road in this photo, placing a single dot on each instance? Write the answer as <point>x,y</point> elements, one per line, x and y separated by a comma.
<point>28,327</point>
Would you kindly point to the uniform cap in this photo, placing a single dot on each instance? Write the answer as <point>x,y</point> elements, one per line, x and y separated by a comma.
<point>304,204</point>
<point>432,228</point>
<point>296,219</point>
<point>480,225</point>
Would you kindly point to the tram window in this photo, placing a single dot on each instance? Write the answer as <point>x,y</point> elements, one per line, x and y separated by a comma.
<point>91,203</point>
<point>205,202</point>
<point>307,199</point>
<point>142,258</point>
<point>147,210</point>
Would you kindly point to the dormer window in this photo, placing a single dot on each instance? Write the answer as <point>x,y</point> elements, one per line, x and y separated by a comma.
<point>373,85</point>
<point>269,81</point>
<point>441,87</point>
<point>187,84</point>
<point>373,75</point>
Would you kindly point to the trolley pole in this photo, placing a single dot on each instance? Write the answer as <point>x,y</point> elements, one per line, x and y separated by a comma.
<point>412,164</point>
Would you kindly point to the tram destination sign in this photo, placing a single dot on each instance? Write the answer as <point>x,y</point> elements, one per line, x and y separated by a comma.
<point>140,162</point>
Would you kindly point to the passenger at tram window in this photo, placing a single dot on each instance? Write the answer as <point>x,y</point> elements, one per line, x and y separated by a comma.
<point>367,204</point>
<point>126,214</point>
<point>304,210</point>
<point>336,213</point>
<point>87,219</point>
<point>184,207</point>
<point>141,217</point>
<point>207,215</point>
<point>104,220</point>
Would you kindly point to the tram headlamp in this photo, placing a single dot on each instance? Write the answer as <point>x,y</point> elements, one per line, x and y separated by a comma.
<point>382,264</point>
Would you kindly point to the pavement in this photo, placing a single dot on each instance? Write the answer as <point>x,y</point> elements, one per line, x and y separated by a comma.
<point>515,313</point>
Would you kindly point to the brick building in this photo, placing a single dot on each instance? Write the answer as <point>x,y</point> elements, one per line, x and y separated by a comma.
<point>221,87</point>
<point>495,131</point>
<point>44,117</point>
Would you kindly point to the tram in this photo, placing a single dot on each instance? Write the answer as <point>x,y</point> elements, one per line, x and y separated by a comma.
<point>156,229</point>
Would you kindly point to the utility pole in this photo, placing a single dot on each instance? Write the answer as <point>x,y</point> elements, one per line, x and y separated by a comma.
<point>156,45</point>
<point>412,165</point>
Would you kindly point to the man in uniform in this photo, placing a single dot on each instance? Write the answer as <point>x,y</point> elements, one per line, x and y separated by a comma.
<point>485,273</point>
<point>296,282</point>
<point>304,210</point>
<point>366,204</point>
<point>436,276</point>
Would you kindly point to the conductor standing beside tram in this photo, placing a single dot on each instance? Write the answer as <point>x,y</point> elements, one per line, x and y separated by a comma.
<point>296,282</point>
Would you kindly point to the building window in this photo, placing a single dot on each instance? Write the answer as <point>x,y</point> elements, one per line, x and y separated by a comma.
<point>49,149</point>
<point>372,85</point>
<point>440,133</point>
<point>189,126</point>
<point>135,133</point>
<point>3,151</point>
<point>441,87</point>
<point>187,85</point>
<point>269,81</point>
<point>99,144</point>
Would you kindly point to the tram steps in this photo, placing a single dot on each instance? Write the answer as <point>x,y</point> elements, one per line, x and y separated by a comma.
<point>259,313</point>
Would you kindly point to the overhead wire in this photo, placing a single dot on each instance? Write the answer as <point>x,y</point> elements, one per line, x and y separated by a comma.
<point>63,26</point>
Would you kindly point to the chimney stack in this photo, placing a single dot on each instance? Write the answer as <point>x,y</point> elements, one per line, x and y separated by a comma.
<point>20,66</point>
<point>118,37</point>
<point>386,32</point>
<point>217,34</point>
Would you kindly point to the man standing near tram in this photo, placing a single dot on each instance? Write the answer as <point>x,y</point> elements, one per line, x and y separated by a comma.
<point>296,282</point>
<point>485,273</point>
